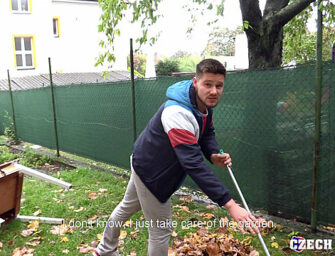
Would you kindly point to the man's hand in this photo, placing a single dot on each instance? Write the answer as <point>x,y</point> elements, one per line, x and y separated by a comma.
<point>221,160</point>
<point>243,218</point>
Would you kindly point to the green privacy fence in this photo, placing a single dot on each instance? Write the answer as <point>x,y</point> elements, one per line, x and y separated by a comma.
<point>265,120</point>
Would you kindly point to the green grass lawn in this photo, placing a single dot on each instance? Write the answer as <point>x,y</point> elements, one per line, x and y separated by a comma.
<point>94,195</point>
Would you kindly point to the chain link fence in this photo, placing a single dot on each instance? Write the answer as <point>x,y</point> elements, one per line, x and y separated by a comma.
<point>265,120</point>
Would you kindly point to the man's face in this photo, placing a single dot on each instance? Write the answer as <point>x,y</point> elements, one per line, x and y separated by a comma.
<point>209,89</point>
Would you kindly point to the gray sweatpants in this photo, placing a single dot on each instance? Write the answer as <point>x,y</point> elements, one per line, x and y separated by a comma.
<point>138,197</point>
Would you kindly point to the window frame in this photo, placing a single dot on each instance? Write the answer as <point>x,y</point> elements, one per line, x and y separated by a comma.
<point>23,52</point>
<point>56,18</point>
<point>19,10</point>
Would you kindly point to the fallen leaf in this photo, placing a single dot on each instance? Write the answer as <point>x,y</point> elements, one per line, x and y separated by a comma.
<point>57,200</point>
<point>209,216</point>
<point>172,252</point>
<point>57,191</point>
<point>60,229</point>
<point>134,234</point>
<point>186,199</point>
<point>93,218</point>
<point>93,196</point>
<point>80,209</point>
<point>210,206</point>
<point>127,224</point>
<point>34,224</point>
<point>66,251</point>
<point>254,253</point>
<point>205,243</point>
<point>99,236</point>
<point>37,213</point>
<point>247,240</point>
<point>64,239</point>
<point>222,230</point>
<point>52,242</point>
<point>123,234</point>
<point>71,207</point>
<point>17,252</point>
<point>275,245</point>
<point>28,232</point>
<point>85,248</point>
<point>330,228</point>
<point>25,251</point>
<point>202,231</point>
<point>185,209</point>
<point>133,252</point>
<point>213,249</point>
<point>176,214</point>
<point>102,190</point>
<point>174,234</point>
<point>34,241</point>
<point>0,245</point>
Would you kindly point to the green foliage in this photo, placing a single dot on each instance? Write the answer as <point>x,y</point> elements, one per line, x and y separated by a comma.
<point>299,45</point>
<point>33,159</point>
<point>189,63</point>
<point>144,12</point>
<point>167,67</point>
<point>113,11</point>
<point>221,42</point>
<point>186,61</point>
<point>10,130</point>
<point>6,155</point>
<point>140,61</point>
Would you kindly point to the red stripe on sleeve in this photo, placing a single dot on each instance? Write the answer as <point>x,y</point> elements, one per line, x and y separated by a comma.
<point>181,136</point>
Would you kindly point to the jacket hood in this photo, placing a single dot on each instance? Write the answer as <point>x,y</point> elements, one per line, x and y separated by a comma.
<point>180,92</point>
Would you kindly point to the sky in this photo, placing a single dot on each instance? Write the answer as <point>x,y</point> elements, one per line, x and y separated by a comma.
<point>174,24</point>
<point>176,21</point>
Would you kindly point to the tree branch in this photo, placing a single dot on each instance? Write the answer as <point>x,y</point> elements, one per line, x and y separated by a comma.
<point>250,11</point>
<point>287,13</point>
<point>274,6</point>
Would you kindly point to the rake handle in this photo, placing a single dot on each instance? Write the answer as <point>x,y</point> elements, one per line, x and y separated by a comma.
<point>245,205</point>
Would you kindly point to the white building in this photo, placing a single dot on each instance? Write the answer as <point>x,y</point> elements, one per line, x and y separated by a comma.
<point>240,60</point>
<point>64,30</point>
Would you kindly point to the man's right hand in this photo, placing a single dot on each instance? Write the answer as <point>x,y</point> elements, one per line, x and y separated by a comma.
<point>241,216</point>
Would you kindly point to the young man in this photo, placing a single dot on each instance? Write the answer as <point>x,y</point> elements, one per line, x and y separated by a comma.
<point>168,149</point>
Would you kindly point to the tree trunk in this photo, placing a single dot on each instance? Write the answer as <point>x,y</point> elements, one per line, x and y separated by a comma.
<point>265,31</point>
<point>265,49</point>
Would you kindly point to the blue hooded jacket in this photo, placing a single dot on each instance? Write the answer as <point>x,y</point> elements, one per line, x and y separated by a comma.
<point>172,144</point>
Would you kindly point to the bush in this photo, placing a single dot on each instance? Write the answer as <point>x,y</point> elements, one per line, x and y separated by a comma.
<point>167,67</point>
<point>32,159</point>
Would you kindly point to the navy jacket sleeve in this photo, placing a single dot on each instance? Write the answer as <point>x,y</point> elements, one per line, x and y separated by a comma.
<point>182,129</point>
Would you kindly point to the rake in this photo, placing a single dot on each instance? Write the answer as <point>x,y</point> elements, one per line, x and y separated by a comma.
<point>245,205</point>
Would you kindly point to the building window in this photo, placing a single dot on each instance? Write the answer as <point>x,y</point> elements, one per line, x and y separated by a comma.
<point>55,26</point>
<point>21,5</point>
<point>24,52</point>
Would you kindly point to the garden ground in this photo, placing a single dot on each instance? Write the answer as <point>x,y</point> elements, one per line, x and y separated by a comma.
<point>88,204</point>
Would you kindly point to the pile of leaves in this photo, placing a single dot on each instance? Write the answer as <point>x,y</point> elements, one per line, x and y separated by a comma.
<point>211,244</point>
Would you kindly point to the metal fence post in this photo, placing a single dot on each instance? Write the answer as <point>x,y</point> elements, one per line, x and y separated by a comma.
<point>53,106</point>
<point>318,85</point>
<point>12,102</point>
<point>132,88</point>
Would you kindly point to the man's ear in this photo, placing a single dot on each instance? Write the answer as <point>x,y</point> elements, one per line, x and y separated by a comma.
<point>195,81</point>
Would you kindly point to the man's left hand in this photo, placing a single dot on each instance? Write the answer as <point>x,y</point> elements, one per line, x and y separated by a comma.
<point>221,160</point>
